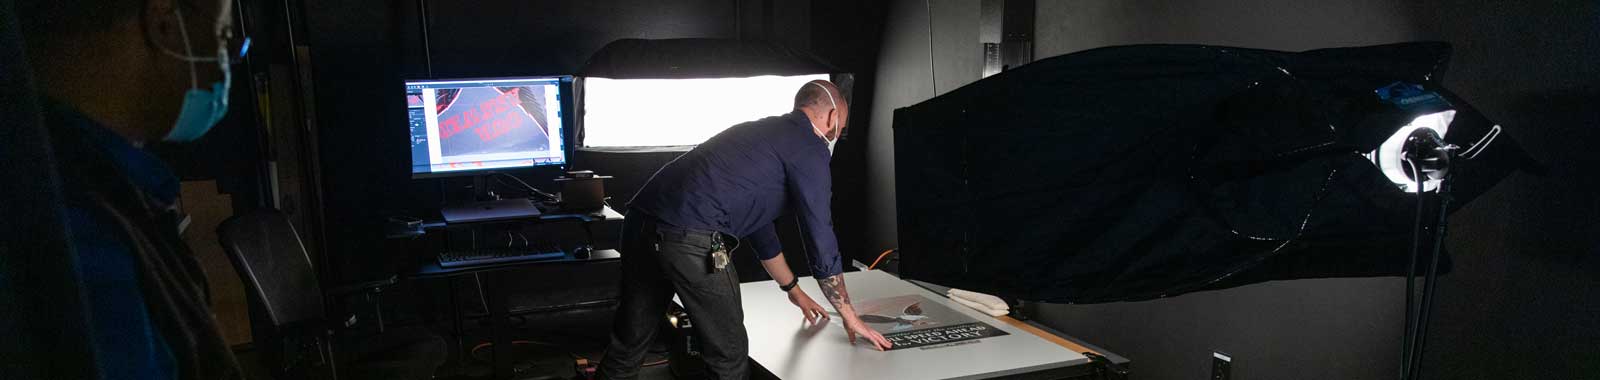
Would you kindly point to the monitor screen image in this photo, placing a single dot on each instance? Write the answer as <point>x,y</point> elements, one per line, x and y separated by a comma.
<point>462,126</point>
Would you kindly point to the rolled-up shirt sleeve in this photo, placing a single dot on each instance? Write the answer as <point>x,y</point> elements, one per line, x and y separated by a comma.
<point>810,186</point>
<point>765,242</point>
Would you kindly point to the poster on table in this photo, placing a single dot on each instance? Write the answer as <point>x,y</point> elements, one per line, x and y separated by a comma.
<point>914,321</point>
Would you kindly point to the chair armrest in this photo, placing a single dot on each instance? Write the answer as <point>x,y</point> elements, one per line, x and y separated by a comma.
<point>364,287</point>
<point>373,290</point>
<point>306,328</point>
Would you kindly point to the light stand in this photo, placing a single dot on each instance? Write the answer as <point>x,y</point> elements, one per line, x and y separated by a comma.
<point>1428,157</point>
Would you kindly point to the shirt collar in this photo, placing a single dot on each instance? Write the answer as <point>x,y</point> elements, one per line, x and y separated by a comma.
<point>143,169</point>
<point>799,117</point>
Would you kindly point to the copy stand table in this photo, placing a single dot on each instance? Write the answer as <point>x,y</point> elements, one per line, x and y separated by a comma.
<point>783,345</point>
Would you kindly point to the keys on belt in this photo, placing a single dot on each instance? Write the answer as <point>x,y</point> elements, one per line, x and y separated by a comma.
<point>720,256</point>
<point>719,253</point>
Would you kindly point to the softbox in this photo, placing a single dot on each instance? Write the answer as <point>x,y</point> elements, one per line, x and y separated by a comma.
<point>1137,172</point>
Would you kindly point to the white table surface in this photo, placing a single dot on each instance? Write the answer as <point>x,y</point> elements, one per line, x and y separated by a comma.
<point>781,342</point>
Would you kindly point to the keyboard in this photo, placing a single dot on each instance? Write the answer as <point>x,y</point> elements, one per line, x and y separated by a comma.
<point>486,256</point>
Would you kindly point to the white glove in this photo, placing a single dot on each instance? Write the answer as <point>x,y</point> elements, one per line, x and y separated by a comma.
<point>979,307</point>
<point>988,301</point>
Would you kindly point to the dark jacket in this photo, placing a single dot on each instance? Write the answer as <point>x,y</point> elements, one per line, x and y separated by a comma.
<point>134,210</point>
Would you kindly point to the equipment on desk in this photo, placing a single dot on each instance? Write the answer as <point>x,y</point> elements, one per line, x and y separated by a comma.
<point>486,256</point>
<point>403,226</point>
<point>503,209</point>
<point>582,191</point>
<point>583,252</point>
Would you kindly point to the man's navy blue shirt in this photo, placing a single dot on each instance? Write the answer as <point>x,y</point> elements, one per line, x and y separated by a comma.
<point>125,341</point>
<point>742,179</point>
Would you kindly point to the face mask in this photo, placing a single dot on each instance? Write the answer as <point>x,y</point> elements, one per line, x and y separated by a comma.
<point>814,125</point>
<point>203,107</point>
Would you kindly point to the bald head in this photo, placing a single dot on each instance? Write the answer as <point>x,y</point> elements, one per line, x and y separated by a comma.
<point>824,104</point>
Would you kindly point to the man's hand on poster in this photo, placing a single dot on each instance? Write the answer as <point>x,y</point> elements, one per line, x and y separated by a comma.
<point>853,326</point>
<point>813,312</point>
<point>833,288</point>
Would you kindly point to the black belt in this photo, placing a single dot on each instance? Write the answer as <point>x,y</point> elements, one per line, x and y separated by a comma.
<point>688,235</point>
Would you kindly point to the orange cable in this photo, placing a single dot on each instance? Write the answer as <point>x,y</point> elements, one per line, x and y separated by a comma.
<point>880,258</point>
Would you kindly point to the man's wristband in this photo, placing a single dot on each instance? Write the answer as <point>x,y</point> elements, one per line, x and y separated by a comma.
<point>791,284</point>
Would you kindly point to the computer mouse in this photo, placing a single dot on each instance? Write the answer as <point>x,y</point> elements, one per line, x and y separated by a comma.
<point>582,252</point>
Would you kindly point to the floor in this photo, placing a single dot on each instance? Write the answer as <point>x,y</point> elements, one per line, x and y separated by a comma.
<point>548,345</point>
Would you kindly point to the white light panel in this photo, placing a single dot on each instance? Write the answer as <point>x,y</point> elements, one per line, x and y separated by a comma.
<point>671,112</point>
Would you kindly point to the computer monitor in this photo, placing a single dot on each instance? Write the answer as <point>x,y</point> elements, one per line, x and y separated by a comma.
<point>472,126</point>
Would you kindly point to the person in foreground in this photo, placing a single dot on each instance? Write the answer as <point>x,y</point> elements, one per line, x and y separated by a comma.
<point>113,76</point>
<point>695,211</point>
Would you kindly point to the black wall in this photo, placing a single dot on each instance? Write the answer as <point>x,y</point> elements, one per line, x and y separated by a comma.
<point>1524,301</point>
<point>361,51</point>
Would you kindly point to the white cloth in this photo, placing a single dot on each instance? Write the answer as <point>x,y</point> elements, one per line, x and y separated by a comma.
<point>986,300</point>
<point>979,307</point>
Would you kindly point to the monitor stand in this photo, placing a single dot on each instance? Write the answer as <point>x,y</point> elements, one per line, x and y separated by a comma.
<point>483,211</point>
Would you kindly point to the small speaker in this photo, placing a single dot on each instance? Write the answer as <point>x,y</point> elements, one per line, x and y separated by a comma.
<point>582,191</point>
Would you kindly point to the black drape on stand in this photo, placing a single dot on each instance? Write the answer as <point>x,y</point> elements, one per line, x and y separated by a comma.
<point>1138,172</point>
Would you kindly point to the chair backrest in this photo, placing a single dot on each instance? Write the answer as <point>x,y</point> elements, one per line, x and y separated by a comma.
<point>274,266</point>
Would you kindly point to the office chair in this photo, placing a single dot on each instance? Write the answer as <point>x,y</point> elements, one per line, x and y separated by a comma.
<point>291,327</point>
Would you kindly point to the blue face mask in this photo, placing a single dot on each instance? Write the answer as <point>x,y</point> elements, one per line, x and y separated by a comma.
<point>203,107</point>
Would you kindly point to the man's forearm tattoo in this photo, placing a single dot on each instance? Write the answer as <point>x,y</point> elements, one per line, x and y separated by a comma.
<point>833,288</point>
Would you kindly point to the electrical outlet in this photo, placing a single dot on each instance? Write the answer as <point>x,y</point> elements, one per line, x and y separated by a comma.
<point>1221,366</point>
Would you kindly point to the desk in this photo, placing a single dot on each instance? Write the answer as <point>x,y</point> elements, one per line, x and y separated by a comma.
<point>493,289</point>
<point>785,347</point>
<point>432,270</point>
<point>496,298</point>
<point>604,214</point>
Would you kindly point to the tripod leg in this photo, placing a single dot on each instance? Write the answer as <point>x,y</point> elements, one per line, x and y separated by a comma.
<point>1421,340</point>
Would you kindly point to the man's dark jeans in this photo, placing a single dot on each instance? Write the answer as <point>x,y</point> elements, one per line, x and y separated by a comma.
<point>659,259</point>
